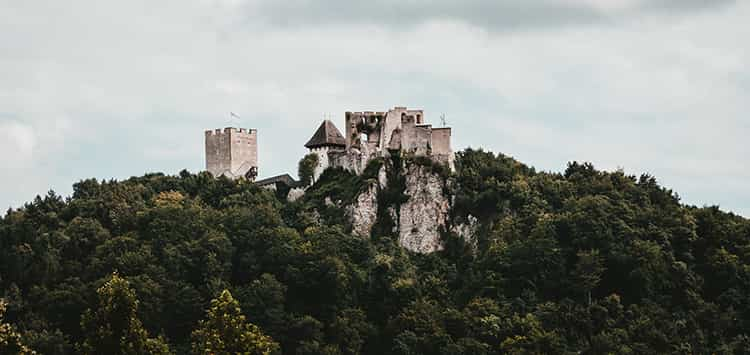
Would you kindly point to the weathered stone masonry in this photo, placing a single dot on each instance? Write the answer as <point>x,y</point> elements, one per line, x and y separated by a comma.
<point>232,152</point>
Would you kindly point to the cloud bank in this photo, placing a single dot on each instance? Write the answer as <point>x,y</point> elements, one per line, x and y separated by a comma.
<point>112,90</point>
<point>504,15</point>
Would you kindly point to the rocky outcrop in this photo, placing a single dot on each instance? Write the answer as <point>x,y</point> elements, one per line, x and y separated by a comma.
<point>419,221</point>
<point>424,214</point>
<point>364,211</point>
<point>295,194</point>
<point>467,231</point>
<point>382,177</point>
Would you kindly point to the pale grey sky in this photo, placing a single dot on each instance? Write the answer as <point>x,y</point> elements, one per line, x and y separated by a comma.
<point>114,89</point>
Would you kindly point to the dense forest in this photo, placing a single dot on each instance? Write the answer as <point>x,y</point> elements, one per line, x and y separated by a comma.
<point>583,261</point>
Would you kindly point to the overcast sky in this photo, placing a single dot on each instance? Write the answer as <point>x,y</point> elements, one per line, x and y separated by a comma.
<point>115,89</point>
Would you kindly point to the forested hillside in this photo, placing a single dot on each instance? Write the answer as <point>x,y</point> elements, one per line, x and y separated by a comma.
<point>580,262</point>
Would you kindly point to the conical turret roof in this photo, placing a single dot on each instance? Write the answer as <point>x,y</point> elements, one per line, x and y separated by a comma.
<point>326,135</point>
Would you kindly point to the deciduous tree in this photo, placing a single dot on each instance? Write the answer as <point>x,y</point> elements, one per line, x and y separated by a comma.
<point>225,331</point>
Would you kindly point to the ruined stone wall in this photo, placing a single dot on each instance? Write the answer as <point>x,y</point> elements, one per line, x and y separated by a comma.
<point>392,122</point>
<point>351,132</point>
<point>371,134</point>
<point>369,123</point>
<point>422,140</point>
<point>441,147</point>
<point>395,120</point>
<point>418,115</point>
<point>395,142</point>
<point>379,128</point>
<point>352,160</point>
<point>441,141</point>
<point>408,134</point>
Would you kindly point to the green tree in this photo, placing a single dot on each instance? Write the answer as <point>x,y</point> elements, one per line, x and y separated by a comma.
<point>351,330</point>
<point>10,339</point>
<point>263,302</point>
<point>526,335</point>
<point>225,331</point>
<point>113,327</point>
<point>588,271</point>
<point>306,169</point>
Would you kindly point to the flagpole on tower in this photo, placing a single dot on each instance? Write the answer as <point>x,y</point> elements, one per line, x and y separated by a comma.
<point>231,116</point>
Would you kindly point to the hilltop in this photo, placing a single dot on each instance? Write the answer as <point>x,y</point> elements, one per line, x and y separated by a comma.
<point>407,257</point>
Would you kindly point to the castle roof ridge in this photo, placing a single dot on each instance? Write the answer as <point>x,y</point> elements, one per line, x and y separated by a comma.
<point>326,135</point>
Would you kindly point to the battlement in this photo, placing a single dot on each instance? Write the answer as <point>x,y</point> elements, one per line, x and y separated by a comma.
<point>229,130</point>
<point>365,114</point>
<point>232,152</point>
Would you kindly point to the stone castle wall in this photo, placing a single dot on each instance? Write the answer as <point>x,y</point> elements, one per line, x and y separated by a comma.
<point>323,160</point>
<point>231,152</point>
<point>441,141</point>
<point>218,152</point>
<point>374,133</point>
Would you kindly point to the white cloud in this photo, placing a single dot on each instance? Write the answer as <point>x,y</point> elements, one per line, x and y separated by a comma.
<point>17,142</point>
<point>119,89</point>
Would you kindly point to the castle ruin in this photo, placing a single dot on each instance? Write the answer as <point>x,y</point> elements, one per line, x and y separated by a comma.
<point>417,221</point>
<point>368,135</point>
<point>377,134</point>
<point>232,152</point>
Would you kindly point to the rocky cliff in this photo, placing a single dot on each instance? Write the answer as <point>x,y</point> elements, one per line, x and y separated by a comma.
<point>424,214</point>
<point>408,200</point>
<point>363,212</point>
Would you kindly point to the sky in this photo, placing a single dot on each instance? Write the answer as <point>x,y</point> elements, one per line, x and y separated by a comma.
<point>113,89</point>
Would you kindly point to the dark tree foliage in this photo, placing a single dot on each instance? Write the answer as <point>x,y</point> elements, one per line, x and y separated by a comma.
<point>306,169</point>
<point>584,261</point>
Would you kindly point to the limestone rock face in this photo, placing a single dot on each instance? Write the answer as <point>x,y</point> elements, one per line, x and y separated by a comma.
<point>419,221</point>
<point>382,177</point>
<point>467,231</point>
<point>294,194</point>
<point>424,214</point>
<point>364,212</point>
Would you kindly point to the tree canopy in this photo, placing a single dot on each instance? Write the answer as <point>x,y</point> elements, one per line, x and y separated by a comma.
<point>582,261</point>
<point>225,331</point>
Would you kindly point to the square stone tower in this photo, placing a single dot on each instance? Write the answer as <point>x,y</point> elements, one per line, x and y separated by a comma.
<point>232,152</point>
